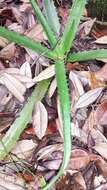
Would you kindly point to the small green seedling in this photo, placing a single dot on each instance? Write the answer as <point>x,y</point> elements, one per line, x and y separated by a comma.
<point>59,52</point>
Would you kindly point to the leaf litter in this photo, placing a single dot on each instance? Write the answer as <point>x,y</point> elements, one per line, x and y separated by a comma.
<point>42,150</point>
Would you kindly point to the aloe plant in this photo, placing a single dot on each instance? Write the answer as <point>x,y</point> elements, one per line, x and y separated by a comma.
<point>59,52</point>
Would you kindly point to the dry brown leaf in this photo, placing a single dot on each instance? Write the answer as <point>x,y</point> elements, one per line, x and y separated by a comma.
<point>23,79</point>
<point>79,159</point>
<point>45,74</point>
<point>16,27</point>
<point>102,40</point>
<point>101,165</point>
<point>52,164</point>
<point>97,136</point>
<point>10,71</point>
<point>102,187</point>
<point>102,73</point>
<point>17,14</point>
<point>40,119</point>
<point>101,113</point>
<point>98,180</point>
<point>80,180</point>
<point>101,148</point>
<point>24,148</point>
<point>16,83</point>
<point>5,96</point>
<point>25,70</point>
<point>88,98</point>
<point>10,86</point>
<point>77,84</point>
<point>8,51</point>
<point>35,33</point>
<point>52,88</point>
<point>90,122</point>
<point>93,78</point>
<point>86,27</point>
<point>3,42</point>
<point>101,59</point>
<point>11,182</point>
<point>81,135</point>
<point>47,150</point>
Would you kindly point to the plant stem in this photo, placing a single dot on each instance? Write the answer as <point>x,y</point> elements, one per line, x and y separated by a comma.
<point>65,110</point>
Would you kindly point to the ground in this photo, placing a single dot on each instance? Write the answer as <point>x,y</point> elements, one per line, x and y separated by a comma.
<point>39,150</point>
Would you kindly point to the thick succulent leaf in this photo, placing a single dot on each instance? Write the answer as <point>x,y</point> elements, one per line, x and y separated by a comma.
<point>44,23</point>
<point>12,135</point>
<point>87,55</point>
<point>71,26</point>
<point>26,42</point>
<point>51,16</point>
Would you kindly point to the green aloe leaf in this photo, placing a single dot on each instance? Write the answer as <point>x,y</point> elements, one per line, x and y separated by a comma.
<point>13,134</point>
<point>51,16</point>
<point>26,42</point>
<point>88,55</point>
<point>71,25</point>
<point>44,23</point>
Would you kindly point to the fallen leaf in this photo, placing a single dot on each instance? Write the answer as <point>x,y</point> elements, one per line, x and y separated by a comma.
<point>101,148</point>
<point>97,136</point>
<point>25,70</point>
<point>52,164</point>
<point>45,74</point>
<point>80,181</point>
<point>90,122</point>
<point>52,88</point>
<point>3,42</point>
<point>101,165</point>
<point>10,71</point>
<point>79,159</point>
<point>12,87</point>
<point>88,98</point>
<point>40,119</point>
<point>98,180</point>
<point>101,40</point>
<point>23,79</point>
<point>11,182</point>
<point>16,27</point>
<point>16,83</point>
<point>36,33</point>
<point>86,27</point>
<point>23,149</point>
<point>8,51</point>
<point>101,74</point>
<point>17,14</point>
<point>77,84</point>
<point>47,150</point>
<point>101,113</point>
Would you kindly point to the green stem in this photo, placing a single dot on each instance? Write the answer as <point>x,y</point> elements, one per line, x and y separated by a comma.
<point>13,134</point>
<point>65,110</point>
<point>44,23</point>
<point>26,42</point>
<point>88,55</point>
